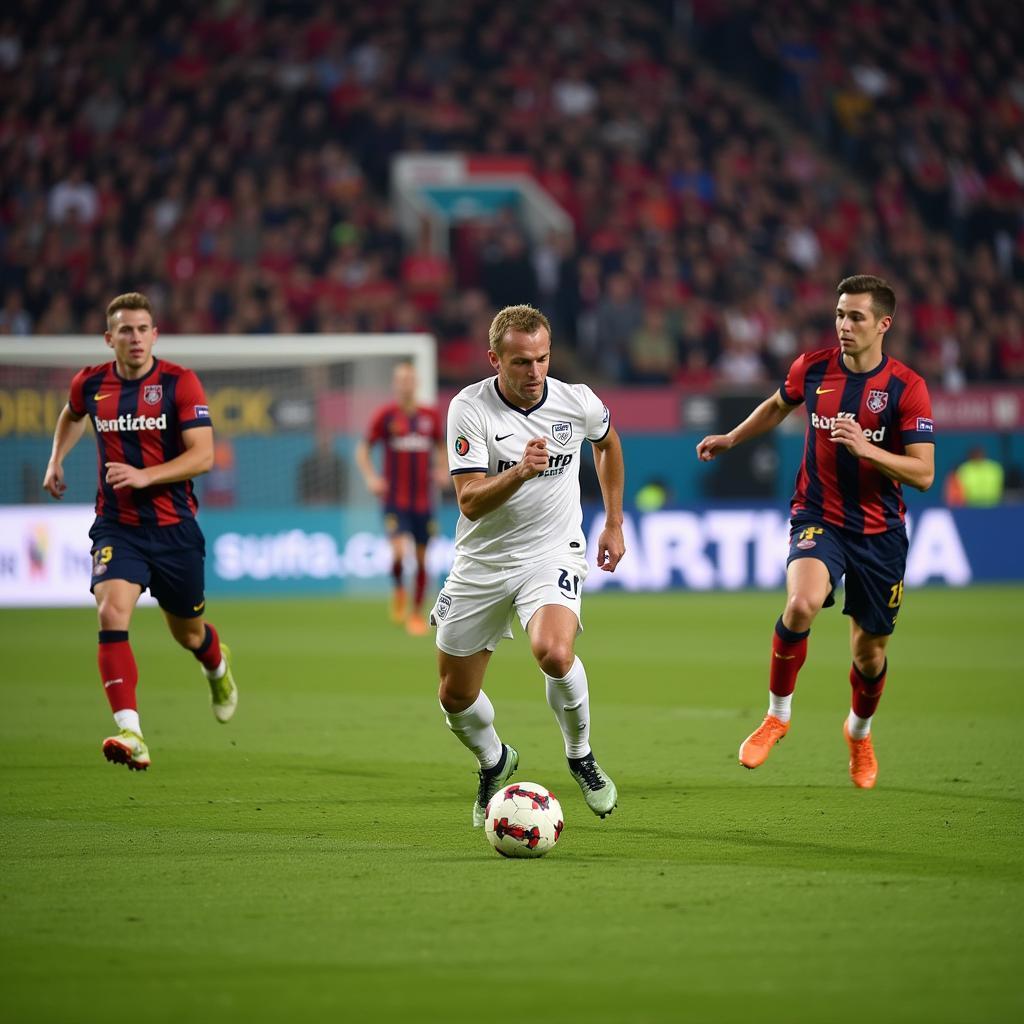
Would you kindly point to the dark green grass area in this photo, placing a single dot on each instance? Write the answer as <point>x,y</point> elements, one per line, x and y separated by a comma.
<point>315,855</point>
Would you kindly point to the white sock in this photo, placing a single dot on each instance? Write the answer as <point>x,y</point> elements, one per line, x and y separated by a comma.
<point>779,706</point>
<point>475,730</point>
<point>570,700</point>
<point>858,727</point>
<point>218,672</point>
<point>128,719</point>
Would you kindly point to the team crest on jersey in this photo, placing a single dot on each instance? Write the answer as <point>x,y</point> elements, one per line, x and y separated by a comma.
<point>561,432</point>
<point>444,604</point>
<point>152,394</point>
<point>461,445</point>
<point>877,400</point>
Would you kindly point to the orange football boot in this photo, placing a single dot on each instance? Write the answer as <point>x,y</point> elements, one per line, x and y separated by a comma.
<point>754,750</point>
<point>863,763</point>
<point>416,625</point>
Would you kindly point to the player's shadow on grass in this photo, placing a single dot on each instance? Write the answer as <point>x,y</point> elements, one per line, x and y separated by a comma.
<point>713,847</point>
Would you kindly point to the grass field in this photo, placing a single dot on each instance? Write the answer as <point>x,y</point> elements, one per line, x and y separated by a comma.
<point>314,858</point>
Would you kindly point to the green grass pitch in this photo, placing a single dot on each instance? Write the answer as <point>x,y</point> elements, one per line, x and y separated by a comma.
<point>314,860</point>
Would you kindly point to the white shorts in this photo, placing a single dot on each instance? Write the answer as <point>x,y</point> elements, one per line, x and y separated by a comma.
<point>474,609</point>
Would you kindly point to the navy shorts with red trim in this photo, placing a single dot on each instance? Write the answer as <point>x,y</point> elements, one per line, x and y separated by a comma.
<point>166,560</point>
<point>873,563</point>
<point>419,525</point>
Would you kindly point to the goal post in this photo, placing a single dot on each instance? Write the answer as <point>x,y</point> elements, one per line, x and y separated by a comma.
<point>288,412</point>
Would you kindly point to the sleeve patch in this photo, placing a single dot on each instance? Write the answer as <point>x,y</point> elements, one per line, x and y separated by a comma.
<point>925,425</point>
<point>201,412</point>
<point>461,445</point>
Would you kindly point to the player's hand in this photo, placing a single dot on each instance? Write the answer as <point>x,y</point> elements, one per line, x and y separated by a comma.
<point>442,478</point>
<point>377,486</point>
<point>849,434</point>
<point>712,445</point>
<point>535,458</point>
<point>120,475</point>
<point>53,482</point>
<point>610,548</point>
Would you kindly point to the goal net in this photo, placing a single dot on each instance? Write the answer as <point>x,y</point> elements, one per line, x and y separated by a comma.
<point>288,412</point>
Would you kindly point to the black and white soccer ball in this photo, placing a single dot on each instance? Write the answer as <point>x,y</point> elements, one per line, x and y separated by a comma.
<point>524,819</point>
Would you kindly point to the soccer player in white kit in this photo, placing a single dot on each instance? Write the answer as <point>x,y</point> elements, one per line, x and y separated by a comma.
<point>514,445</point>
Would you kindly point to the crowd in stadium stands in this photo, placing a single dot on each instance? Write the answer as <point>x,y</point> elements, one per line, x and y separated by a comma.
<point>232,160</point>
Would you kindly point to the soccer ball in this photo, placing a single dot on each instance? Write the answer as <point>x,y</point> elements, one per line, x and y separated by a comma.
<point>523,820</point>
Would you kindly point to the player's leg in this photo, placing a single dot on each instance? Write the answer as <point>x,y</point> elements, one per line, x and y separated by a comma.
<point>874,595</point>
<point>809,584</point>
<point>120,572</point>
<point>200,637</point>
<point>469,714</point>
<point>419,535</point>
<point>178,583</point>
<point>548,604</point>
<point>115,602</point>
<point>399,595</point>
<point>867,681</point>
<point>471,619</point>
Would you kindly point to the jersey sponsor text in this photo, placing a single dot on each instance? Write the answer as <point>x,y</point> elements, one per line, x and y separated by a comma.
<point>126,422</point>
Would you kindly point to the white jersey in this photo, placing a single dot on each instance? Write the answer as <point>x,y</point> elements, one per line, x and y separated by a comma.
<point>486,434</point>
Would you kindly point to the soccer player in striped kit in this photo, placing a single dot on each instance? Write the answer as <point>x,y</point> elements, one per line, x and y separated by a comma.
<point>153,435</point>
<point>414,467</point>
<point>869,431</point>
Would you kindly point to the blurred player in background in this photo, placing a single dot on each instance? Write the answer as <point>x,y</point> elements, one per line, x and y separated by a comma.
<point>153,434</point>
<point>413,468</point>
<point>869,431</point>
<point>514,444</point>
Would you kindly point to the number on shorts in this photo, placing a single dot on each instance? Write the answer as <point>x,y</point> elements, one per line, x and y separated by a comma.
<point>896,595</point>
<point>569,586</point>
<point>104,555</point>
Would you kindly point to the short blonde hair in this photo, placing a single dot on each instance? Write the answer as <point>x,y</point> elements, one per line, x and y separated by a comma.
<point>516,318</point>
<point>130,300</point>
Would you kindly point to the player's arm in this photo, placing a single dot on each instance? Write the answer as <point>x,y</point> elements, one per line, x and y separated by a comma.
<point>767,416</point>
<point>611,475</point>
<point>479,494</point>
<point>67,433</point>
<point>915,467</point>
<point>375,483</point>
<point>196,459</point>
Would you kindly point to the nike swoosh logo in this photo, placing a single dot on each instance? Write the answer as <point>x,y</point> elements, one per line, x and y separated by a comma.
<point>99,398</point>
<point>112,682</point>
<point>824,391</point>
<point>502,436</point>
<point>199,607</point>
<point>784,657</point>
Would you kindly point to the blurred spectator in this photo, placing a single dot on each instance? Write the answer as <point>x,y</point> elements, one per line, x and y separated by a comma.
<point>218,485</point>
<point>652,354</point>
<point>977,482</point>
<point>322,478</point>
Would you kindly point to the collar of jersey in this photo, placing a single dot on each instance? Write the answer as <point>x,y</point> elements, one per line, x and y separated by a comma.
<point>862,373</point>
<point>136,380</point>
<point>515,408</point>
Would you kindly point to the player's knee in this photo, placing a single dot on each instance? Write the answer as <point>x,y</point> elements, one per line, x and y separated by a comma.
<point>801,610</point>
<point>189,634</point>
<point>113,614</point>
<point>555,659</point>
<point>452,699</point>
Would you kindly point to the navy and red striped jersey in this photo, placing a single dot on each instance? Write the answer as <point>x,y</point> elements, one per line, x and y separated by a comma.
<point>892,406</point>
<point>409,440</point>
<point>140,422</point>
